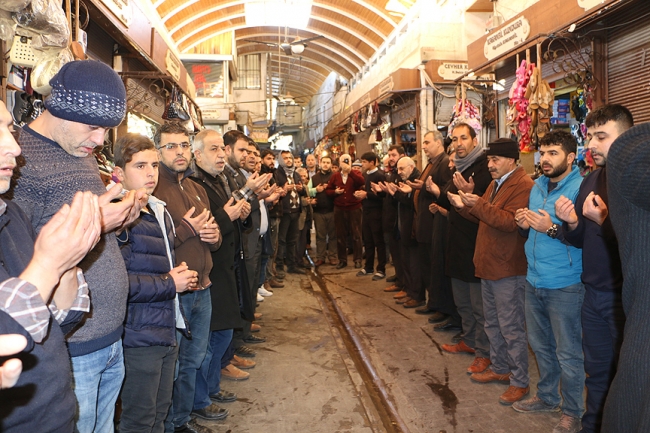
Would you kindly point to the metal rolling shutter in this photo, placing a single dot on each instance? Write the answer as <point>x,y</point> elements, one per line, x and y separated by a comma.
<point>628,61</point>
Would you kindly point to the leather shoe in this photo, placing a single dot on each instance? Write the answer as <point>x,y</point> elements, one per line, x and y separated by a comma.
<point>212,412</point>
<point>224,397</point>
<point>457,337</point>
<point>357,264</point>
<point>245,352</point>
<point>192,427</point>
<point>255,327</point>
<point>393,288</point>
<point>479,365</point>
<point>258,316</point>
<point>296,271</point>
<point>341,265</point>
<point>275,284</point>
<point>490,376</point>
<point>404,300</point>
<point>231,372</point>
<point>425,310</point>
<point>513,394</point>
<point>401,294</point>
<point>458,348</point>
<point>391,279</point>
<point>412,303</point>
<point>437,317</point>
<point>242,363</point>
<point>334,262</point>
<point>318,262</point>
<point>446,326</point>
<point>254,339</point>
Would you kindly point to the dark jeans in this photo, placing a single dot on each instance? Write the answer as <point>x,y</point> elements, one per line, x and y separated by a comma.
<point>348,222</point>
<point>505,317</point>
<point>147,389</point>
<point>603,320</point>
<point>208,380</point>
<point>396,251</point>
<point>469,302</point>
<point>287,240</point>
<point>197,307</point>
<point>373,237</point>
<point>274,225</point>
<point>303,240</point>
<point>423,287</point>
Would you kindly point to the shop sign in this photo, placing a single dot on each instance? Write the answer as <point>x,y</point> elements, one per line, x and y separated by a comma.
<point>173,66</point>
<point>589,4</point>
<point>506,38</point>
<point>260,135</point>
<point>386,86</point>
<point>121,9</point>
<point>451,71</point>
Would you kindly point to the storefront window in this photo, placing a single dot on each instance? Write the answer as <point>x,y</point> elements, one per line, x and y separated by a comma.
<point>249,72</point>
<point>208,78</point>
<point>141,125</point>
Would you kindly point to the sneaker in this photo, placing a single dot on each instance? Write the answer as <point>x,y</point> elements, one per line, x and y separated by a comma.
<point>231,372</point>
<point>263,292</point>
<point>254,339</point>
<point>378,276</point>
<point>568,424</point>
<point>224,397</point>
<point>212,413</point>
<point>245,352</point>
<point>192,427</point>
<point>363,273</point>
<point>260,298</point>
<point>534,404</point>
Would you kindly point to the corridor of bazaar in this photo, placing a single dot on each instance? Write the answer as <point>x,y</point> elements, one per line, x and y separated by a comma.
<point>328,216</point>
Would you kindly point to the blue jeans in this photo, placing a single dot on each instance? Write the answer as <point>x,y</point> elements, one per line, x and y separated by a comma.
<point>603,321</point>
<point>265,261</point>
<point>555,335</point>
<point>197,307</point>
<point>208,380</point>
<point>98,378</point>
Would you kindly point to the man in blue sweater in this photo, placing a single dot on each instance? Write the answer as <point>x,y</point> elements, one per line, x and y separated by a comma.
<point>587,225</point>
<point>554,292</point>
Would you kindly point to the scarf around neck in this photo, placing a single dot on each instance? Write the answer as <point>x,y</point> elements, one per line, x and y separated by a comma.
<point>463,163</point>
<point>288,170</point>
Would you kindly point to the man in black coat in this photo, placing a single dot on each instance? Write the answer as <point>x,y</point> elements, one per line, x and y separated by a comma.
<point>471,176</point>
<point>403,194</point>
<point>210,155</point>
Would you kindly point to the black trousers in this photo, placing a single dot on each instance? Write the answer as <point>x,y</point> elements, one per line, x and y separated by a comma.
<point>348,222</point>
<point>411,269</point>
<point>373,237</point>
<point>396,253</point>
<point>287,239</point>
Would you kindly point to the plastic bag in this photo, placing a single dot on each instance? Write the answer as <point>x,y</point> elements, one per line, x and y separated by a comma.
<point>7,26</point>
<point>14,5</point>
<point>46,23</point>
<point>46,68</point>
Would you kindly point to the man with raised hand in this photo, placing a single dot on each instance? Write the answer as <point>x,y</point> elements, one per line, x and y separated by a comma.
<point>587,225</point>
<point>501,264</point>
<point>88,98</point>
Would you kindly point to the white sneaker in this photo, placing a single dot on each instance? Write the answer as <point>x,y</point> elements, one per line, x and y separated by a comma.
<point>263,292</point>
<point>260,298</point>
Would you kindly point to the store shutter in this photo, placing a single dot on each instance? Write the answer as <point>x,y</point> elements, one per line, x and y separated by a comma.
<point>628,61</point>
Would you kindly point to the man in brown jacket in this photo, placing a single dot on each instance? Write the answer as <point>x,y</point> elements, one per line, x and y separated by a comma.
<point>501,265</point>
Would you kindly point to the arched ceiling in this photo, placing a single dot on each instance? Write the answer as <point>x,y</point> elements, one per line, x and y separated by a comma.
<point>352,32</point>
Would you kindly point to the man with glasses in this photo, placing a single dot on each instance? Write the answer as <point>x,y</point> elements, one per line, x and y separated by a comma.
<point>196,235</point>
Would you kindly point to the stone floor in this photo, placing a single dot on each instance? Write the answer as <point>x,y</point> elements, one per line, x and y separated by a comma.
<point>306,381</point>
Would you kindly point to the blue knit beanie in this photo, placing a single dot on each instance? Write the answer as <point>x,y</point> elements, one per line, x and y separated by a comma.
<point>89,92</point>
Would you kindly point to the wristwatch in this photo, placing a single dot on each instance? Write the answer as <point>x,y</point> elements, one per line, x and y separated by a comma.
<point>552,231</point>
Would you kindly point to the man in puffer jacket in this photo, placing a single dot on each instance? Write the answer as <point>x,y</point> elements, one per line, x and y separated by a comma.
<point>153,311</point>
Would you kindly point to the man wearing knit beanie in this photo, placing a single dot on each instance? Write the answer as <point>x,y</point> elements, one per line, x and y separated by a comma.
<point>586,225</point>
<point>501,264</point>
<point>627,408</point>
<point>87,98</point>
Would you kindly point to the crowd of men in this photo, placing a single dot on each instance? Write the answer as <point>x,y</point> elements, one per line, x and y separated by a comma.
<point>146,289</point>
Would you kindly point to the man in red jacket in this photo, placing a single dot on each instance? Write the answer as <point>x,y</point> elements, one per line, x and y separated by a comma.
<point>347,209</point>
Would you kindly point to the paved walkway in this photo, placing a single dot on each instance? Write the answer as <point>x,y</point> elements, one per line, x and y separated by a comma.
<point>305,380</point>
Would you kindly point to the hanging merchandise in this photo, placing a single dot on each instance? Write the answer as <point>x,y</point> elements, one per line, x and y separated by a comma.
<point>7,25</point>
<point>466,112</point>
<point>517,117</point>
<point>540,106</point>
<point>375,118</point>
<point>45,22</point>
<point>174,108</point>
<point>46,69</point>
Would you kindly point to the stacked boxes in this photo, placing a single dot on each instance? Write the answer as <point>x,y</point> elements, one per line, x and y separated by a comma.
<point>562,112</point>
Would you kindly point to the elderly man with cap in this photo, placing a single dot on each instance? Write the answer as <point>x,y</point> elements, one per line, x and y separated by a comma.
<point>87,98</point>
<point>501,264</point>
